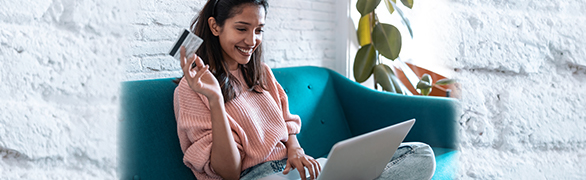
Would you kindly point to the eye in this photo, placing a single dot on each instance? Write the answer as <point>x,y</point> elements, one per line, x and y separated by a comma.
<point>260,31</point>
<point>241,29</point>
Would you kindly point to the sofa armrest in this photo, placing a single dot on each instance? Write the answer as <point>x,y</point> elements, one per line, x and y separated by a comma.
<point>148,143</point>
<point>367,110</point>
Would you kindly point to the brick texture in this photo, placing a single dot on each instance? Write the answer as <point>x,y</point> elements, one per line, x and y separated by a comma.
<point>297,33</point>
<point>522,70</point>
<point>61,67</point>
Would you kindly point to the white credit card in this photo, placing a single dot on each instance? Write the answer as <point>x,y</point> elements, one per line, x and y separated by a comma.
<point>187,39</point>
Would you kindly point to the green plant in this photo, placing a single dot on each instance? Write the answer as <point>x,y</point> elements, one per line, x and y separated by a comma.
<point>378,39</point>
<point>425,84</point>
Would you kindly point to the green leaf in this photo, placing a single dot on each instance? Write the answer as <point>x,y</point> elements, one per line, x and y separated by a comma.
<point>387,40</point>
<point>424,85</point>
<point>426,92</point>
<point>364,30</point>
<point>408,3</point>
<point>426,78</point>
<point>407,23</point>
<point>366,6</point>
<point>388,69</point>
<point>396,82</point>
<point>382,76</point>
<point>389,6</point>
<point>364,63</point>
<point>445,81</point>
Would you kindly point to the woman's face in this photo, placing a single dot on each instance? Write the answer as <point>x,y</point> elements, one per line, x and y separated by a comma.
<point>241,35</point>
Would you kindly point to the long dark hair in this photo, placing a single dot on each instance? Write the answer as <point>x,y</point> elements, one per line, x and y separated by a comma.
<point>210,51</point>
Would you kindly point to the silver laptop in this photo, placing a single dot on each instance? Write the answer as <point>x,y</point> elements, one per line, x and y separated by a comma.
<point>360,157</point>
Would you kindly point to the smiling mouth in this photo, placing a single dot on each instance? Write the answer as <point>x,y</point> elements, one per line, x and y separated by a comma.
<point>245,51</point>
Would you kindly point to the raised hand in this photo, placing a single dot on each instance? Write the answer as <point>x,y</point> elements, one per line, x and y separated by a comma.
<point>199,78</point>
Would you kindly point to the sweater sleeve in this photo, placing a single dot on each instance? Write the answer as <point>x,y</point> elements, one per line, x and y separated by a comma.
<point>194,129</point>
<point>293,122</point>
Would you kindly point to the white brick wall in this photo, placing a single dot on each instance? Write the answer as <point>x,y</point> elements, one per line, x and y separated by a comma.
<point>297,33</point>
<point>61,66</point>
<point>522,66</point>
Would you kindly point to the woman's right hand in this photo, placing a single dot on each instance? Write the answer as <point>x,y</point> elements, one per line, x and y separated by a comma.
<point>199,78</point>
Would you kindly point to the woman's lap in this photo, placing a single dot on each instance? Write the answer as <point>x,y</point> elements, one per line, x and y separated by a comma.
<point>263,169</point>
<point>412,160</point>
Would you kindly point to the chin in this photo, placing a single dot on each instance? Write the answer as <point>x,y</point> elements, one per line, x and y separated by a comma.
<point>244,60</point>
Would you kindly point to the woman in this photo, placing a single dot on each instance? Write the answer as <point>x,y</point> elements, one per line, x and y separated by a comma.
<point>233,119</point>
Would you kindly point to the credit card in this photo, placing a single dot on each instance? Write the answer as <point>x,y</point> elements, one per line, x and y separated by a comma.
<point>187,39</point>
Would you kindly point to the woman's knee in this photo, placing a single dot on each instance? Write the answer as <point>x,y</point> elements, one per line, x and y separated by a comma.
<point>419,148</point>
<point>422,152</point>
<point>413,160</point>
<point>425,155</point>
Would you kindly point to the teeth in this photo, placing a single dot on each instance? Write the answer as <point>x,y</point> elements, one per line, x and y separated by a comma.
<point>245,51</point>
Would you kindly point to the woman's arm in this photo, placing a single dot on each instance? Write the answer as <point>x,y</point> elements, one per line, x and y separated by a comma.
<point>225,158</point>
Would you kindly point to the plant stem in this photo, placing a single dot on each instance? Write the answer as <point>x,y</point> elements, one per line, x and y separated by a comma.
<point>378,60</point>
<point>375,84</point>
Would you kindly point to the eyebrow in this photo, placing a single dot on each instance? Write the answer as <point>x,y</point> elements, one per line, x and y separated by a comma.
<point>246,23</point>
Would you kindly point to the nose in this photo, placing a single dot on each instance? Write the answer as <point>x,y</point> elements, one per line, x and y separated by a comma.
<point>249,40</point>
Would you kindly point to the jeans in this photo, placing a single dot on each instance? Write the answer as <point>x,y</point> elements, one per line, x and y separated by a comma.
<point>412,160</point>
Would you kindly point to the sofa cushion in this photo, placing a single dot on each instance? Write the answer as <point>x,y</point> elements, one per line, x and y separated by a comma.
<point>445,163</point>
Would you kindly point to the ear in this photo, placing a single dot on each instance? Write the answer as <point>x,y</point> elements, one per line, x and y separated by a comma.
<point>214,26</point>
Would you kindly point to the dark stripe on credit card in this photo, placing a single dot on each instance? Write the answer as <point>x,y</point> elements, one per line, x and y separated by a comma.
<point>179,42</point>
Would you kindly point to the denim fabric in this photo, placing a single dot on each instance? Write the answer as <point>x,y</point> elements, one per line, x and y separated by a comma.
<point>412,160</point>
<point>263,169</point>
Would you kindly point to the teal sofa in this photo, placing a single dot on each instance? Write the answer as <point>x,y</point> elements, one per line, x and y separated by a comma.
<point>332,108</point>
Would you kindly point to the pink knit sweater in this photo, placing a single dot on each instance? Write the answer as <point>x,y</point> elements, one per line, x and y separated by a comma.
<point>260,124</point>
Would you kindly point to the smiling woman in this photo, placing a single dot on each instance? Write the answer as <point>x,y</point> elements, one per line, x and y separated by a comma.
<point>235,28</point>
<point>231,113</point>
